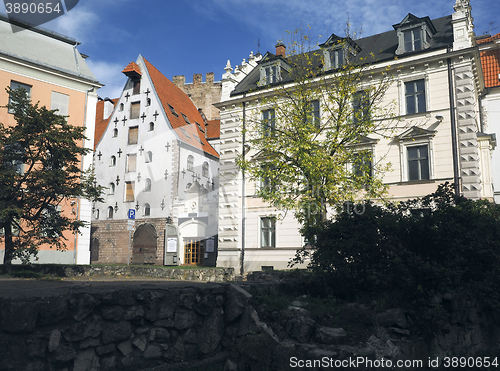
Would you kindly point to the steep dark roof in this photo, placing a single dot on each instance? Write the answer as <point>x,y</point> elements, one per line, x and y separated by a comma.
<point>383,46</point>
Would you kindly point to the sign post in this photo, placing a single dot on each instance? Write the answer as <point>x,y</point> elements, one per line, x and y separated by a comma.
<point>130,228</point>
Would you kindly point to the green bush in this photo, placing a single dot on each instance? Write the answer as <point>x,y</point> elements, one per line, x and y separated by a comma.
<point>411,250</point>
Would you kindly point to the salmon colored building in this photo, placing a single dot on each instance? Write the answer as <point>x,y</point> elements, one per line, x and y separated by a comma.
<point>55,74</point>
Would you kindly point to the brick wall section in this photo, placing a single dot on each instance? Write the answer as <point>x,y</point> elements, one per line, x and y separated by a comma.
<point>203,94</point>
<point>113,239</point>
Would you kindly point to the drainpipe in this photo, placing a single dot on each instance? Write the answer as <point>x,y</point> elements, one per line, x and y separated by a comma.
<point>243,220</point>
<point>453,128</point>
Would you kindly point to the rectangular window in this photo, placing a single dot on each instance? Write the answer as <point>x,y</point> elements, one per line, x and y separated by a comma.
<point>313,113</point>
<point>60,102</point>
<point>129,191</point>
<point>268,232</point>
<point>137,87</point>
<point>131,163</point>
<point>337,58</point>
<point>133,135</point>
<point>361,107</point>
<point>412,40</point>
<point>415,97</point>
<point>362,165</point>
<point>17,85</point>
<point>418,163</point>
<point>135,110</point>
<point>268,122</point>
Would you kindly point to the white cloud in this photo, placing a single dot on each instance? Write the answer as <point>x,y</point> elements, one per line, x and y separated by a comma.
<point>110,75</point>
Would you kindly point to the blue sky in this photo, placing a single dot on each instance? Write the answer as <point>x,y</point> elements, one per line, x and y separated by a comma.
<point>184,37</point>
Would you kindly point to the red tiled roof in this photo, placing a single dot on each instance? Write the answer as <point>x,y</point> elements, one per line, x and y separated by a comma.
<point>100,122</point>
<point>170,94</point>
<point>213,129</point>
<point>490,61</point>
<point>132,69</point>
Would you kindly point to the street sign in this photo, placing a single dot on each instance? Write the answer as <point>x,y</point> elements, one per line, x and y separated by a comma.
<point>131,214</point>
<point>130,225</point>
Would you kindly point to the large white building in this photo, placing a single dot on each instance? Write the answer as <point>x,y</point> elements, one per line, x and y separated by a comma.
<point>160,174</point>
<point>436,90</point>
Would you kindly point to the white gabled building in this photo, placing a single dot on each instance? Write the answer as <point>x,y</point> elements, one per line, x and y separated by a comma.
<point>153,156</point>
<point>436,89</point>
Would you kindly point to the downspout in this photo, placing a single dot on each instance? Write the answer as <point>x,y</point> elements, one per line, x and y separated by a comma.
<point>453,128</point>
<point>82,170</point>
<point>243,220</point>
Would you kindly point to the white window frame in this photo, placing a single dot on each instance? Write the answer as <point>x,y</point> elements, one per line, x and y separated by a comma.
<point>402,94</point>
<point>261,232</point>
<point>403,152</point>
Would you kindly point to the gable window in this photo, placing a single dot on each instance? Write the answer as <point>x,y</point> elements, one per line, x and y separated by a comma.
<point>267,232</point>
<point>268,122</point>
<point>147,185</point>
<point>190,163</point>
<point>131,163</point>
<point>111,189</point>
<point>204,169</point>
<point>112,161</point>
<point>271,74</point>
<point>415,97</point>
<point>149,157</point>
<point>115,133</point>
<point>135,110</point>
<point>129,191</point>
<point>418,163</point>
<point>133,135</point>
<point>60,102</point>
<point>121,107</point>
<point>151,126</point>
<point>414,34</point>
<point>336,58</point>
<point>137,86</point>
<point>147,210</point>
<point>412,40</point>
<point>18,85</point>
<point>110,212</point>
<point>313,114</point>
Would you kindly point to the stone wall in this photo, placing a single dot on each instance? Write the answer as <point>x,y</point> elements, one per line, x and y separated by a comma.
<point>127,329</point>
<point>214,327</point>
<point>113,241</point>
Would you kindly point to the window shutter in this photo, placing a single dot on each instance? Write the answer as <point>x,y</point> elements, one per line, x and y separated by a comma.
<point>129,195</point>
<point>135,110</point>
<point>133,135</point>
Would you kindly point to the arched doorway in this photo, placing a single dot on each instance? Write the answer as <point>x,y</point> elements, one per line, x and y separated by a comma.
<point>144,245</point>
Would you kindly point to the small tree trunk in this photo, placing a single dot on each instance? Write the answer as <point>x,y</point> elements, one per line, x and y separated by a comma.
<point>9,248</point>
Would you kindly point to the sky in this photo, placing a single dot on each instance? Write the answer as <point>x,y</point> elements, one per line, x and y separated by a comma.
<point>186,37</point>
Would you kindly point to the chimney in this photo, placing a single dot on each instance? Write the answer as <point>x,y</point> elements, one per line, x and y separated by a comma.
<point>109,106</point>
<point>281,49</point>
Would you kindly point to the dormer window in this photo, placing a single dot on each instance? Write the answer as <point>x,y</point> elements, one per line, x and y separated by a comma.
<point>270,73</point>
<point>414,34</point>
<point>337,51</point>
<point>412,40</point>
<point>336,58</point>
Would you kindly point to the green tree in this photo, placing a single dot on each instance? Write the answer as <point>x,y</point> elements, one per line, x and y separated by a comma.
<point>313,118</point>
<point>40,160</point>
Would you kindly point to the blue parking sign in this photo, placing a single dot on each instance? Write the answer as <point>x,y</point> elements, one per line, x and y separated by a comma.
<point>131,213</point>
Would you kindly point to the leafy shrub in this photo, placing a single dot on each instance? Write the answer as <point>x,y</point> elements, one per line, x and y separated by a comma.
<point>412,250</point>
